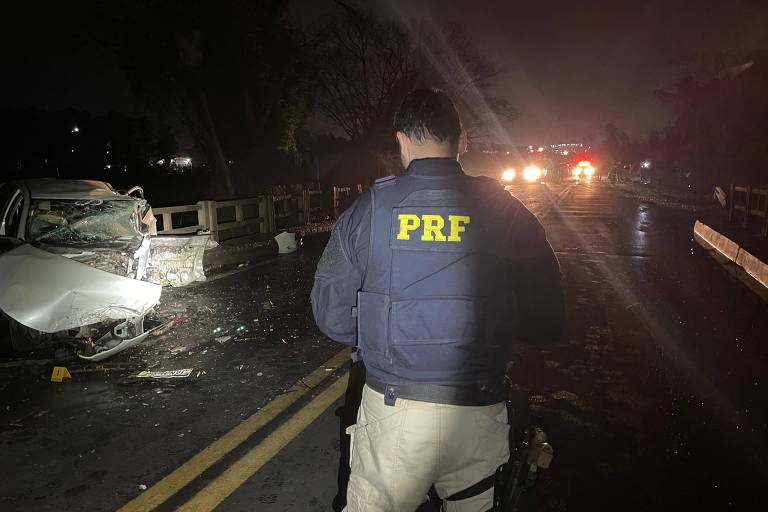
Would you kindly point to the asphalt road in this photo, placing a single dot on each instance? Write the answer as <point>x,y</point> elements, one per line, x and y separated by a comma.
<point>654,400</point>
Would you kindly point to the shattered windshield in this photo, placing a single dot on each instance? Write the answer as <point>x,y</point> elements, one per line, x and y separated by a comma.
<point>87,221</point>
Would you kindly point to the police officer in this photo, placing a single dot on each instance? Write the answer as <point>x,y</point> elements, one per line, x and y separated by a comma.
<point>433,276</point>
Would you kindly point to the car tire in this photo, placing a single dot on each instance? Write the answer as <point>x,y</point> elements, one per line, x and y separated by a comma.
<point>24,339</point>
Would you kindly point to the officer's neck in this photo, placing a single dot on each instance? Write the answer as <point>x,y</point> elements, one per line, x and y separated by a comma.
<point>432,149</point>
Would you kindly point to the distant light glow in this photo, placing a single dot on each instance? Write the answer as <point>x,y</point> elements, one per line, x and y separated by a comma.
<point>646,164</point>
<point>589,171</point>
<point>508,175</point>
<point>541,149</point>
<point>584,163</point>
<point>576,172</point>
<point>532,173</point>
<point>75,129</point>
<point>181,161</point>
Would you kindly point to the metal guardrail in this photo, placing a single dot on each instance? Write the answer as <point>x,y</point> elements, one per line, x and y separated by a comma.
<point>261,214</point>
<point>751,202</point>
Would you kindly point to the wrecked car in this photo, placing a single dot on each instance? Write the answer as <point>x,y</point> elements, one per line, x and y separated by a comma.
<point>81,263</point>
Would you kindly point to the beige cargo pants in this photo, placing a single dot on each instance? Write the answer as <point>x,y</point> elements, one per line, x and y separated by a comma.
<point>398,452</point>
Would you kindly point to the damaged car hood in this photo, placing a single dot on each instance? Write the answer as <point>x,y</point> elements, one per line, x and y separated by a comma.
<point>52,293</point>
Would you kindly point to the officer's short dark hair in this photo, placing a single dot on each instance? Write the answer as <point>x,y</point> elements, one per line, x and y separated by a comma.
<point>428,114</point>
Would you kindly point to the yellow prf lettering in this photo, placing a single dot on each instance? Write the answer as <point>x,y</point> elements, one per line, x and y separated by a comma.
<point>456,226</point>
<point>408,222</point>
<point>433,225</point>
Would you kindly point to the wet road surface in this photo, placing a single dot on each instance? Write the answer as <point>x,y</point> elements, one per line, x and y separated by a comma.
<point>654,400</point>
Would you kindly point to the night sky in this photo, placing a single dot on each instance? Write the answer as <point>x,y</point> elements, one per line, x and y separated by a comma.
<point>571,66</point>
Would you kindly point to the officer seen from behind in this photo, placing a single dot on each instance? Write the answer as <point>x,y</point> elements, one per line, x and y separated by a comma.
<point>434,276</point>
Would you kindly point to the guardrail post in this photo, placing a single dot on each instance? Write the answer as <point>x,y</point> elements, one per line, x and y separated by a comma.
<point>305,207</point>
<point>731,202</point>
<point>337,200</point>
<point>202,214</point>
<point>747,207</point>
<point>167,222</point>
<point>765,215</point>
<point>239,216</point>
<point>208,217</point>
<point>263,215</point>
<point>271,224</point>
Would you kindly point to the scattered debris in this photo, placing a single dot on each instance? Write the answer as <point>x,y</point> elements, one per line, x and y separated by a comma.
<point>142,487</point>
<point>223,339</point>
<point>165,374</point>
<point>27,362</point>
<point>286,242</point>
<point>19,423</point>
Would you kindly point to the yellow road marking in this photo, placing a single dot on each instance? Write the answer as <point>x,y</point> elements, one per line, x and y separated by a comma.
<point>194,467</point>
<point>217,491</point>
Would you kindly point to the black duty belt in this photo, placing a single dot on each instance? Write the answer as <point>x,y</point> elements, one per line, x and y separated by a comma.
<point>469,395</point>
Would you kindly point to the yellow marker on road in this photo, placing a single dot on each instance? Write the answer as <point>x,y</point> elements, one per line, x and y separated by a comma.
<point>59,374</point>
<point>228,482</point>
<point>194,467</point>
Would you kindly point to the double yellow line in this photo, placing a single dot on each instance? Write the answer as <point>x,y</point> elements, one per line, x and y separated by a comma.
<point>216,491</point>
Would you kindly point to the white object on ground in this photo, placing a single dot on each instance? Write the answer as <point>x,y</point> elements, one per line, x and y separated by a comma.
<point>286,242</point>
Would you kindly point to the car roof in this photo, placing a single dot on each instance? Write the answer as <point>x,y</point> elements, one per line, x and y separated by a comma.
<point>52,188</point>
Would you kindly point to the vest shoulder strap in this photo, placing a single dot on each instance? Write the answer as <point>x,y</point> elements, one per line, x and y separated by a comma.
<point>386,181</point>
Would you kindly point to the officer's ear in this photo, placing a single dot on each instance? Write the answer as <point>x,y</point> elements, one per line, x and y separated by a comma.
<point>404,142</point>
<point>405,148</point>
<point>463,142</point>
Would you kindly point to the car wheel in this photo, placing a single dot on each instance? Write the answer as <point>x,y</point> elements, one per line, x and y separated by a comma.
<point>24,338</point>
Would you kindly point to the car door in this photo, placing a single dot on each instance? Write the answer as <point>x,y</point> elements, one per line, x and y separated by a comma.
<point>14,203</point>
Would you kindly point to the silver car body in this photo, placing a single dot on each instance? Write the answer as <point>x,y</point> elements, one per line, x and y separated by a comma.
<point>88,261</point>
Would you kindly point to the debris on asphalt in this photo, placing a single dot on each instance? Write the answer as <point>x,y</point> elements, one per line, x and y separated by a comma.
<point>19,423</point>
<point>223,339</point>
<point>286,242</point>
<point>165,374</point>
<point>142,487</point>
<point>26,362</point>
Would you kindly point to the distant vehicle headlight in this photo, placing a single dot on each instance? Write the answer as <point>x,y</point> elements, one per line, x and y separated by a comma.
<point>532,173</point>
<point>589,171</point>
<point>576,172</point>
<point>508,175</point>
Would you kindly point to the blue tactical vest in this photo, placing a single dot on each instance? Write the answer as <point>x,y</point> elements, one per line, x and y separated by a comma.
<point>431,296</point>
